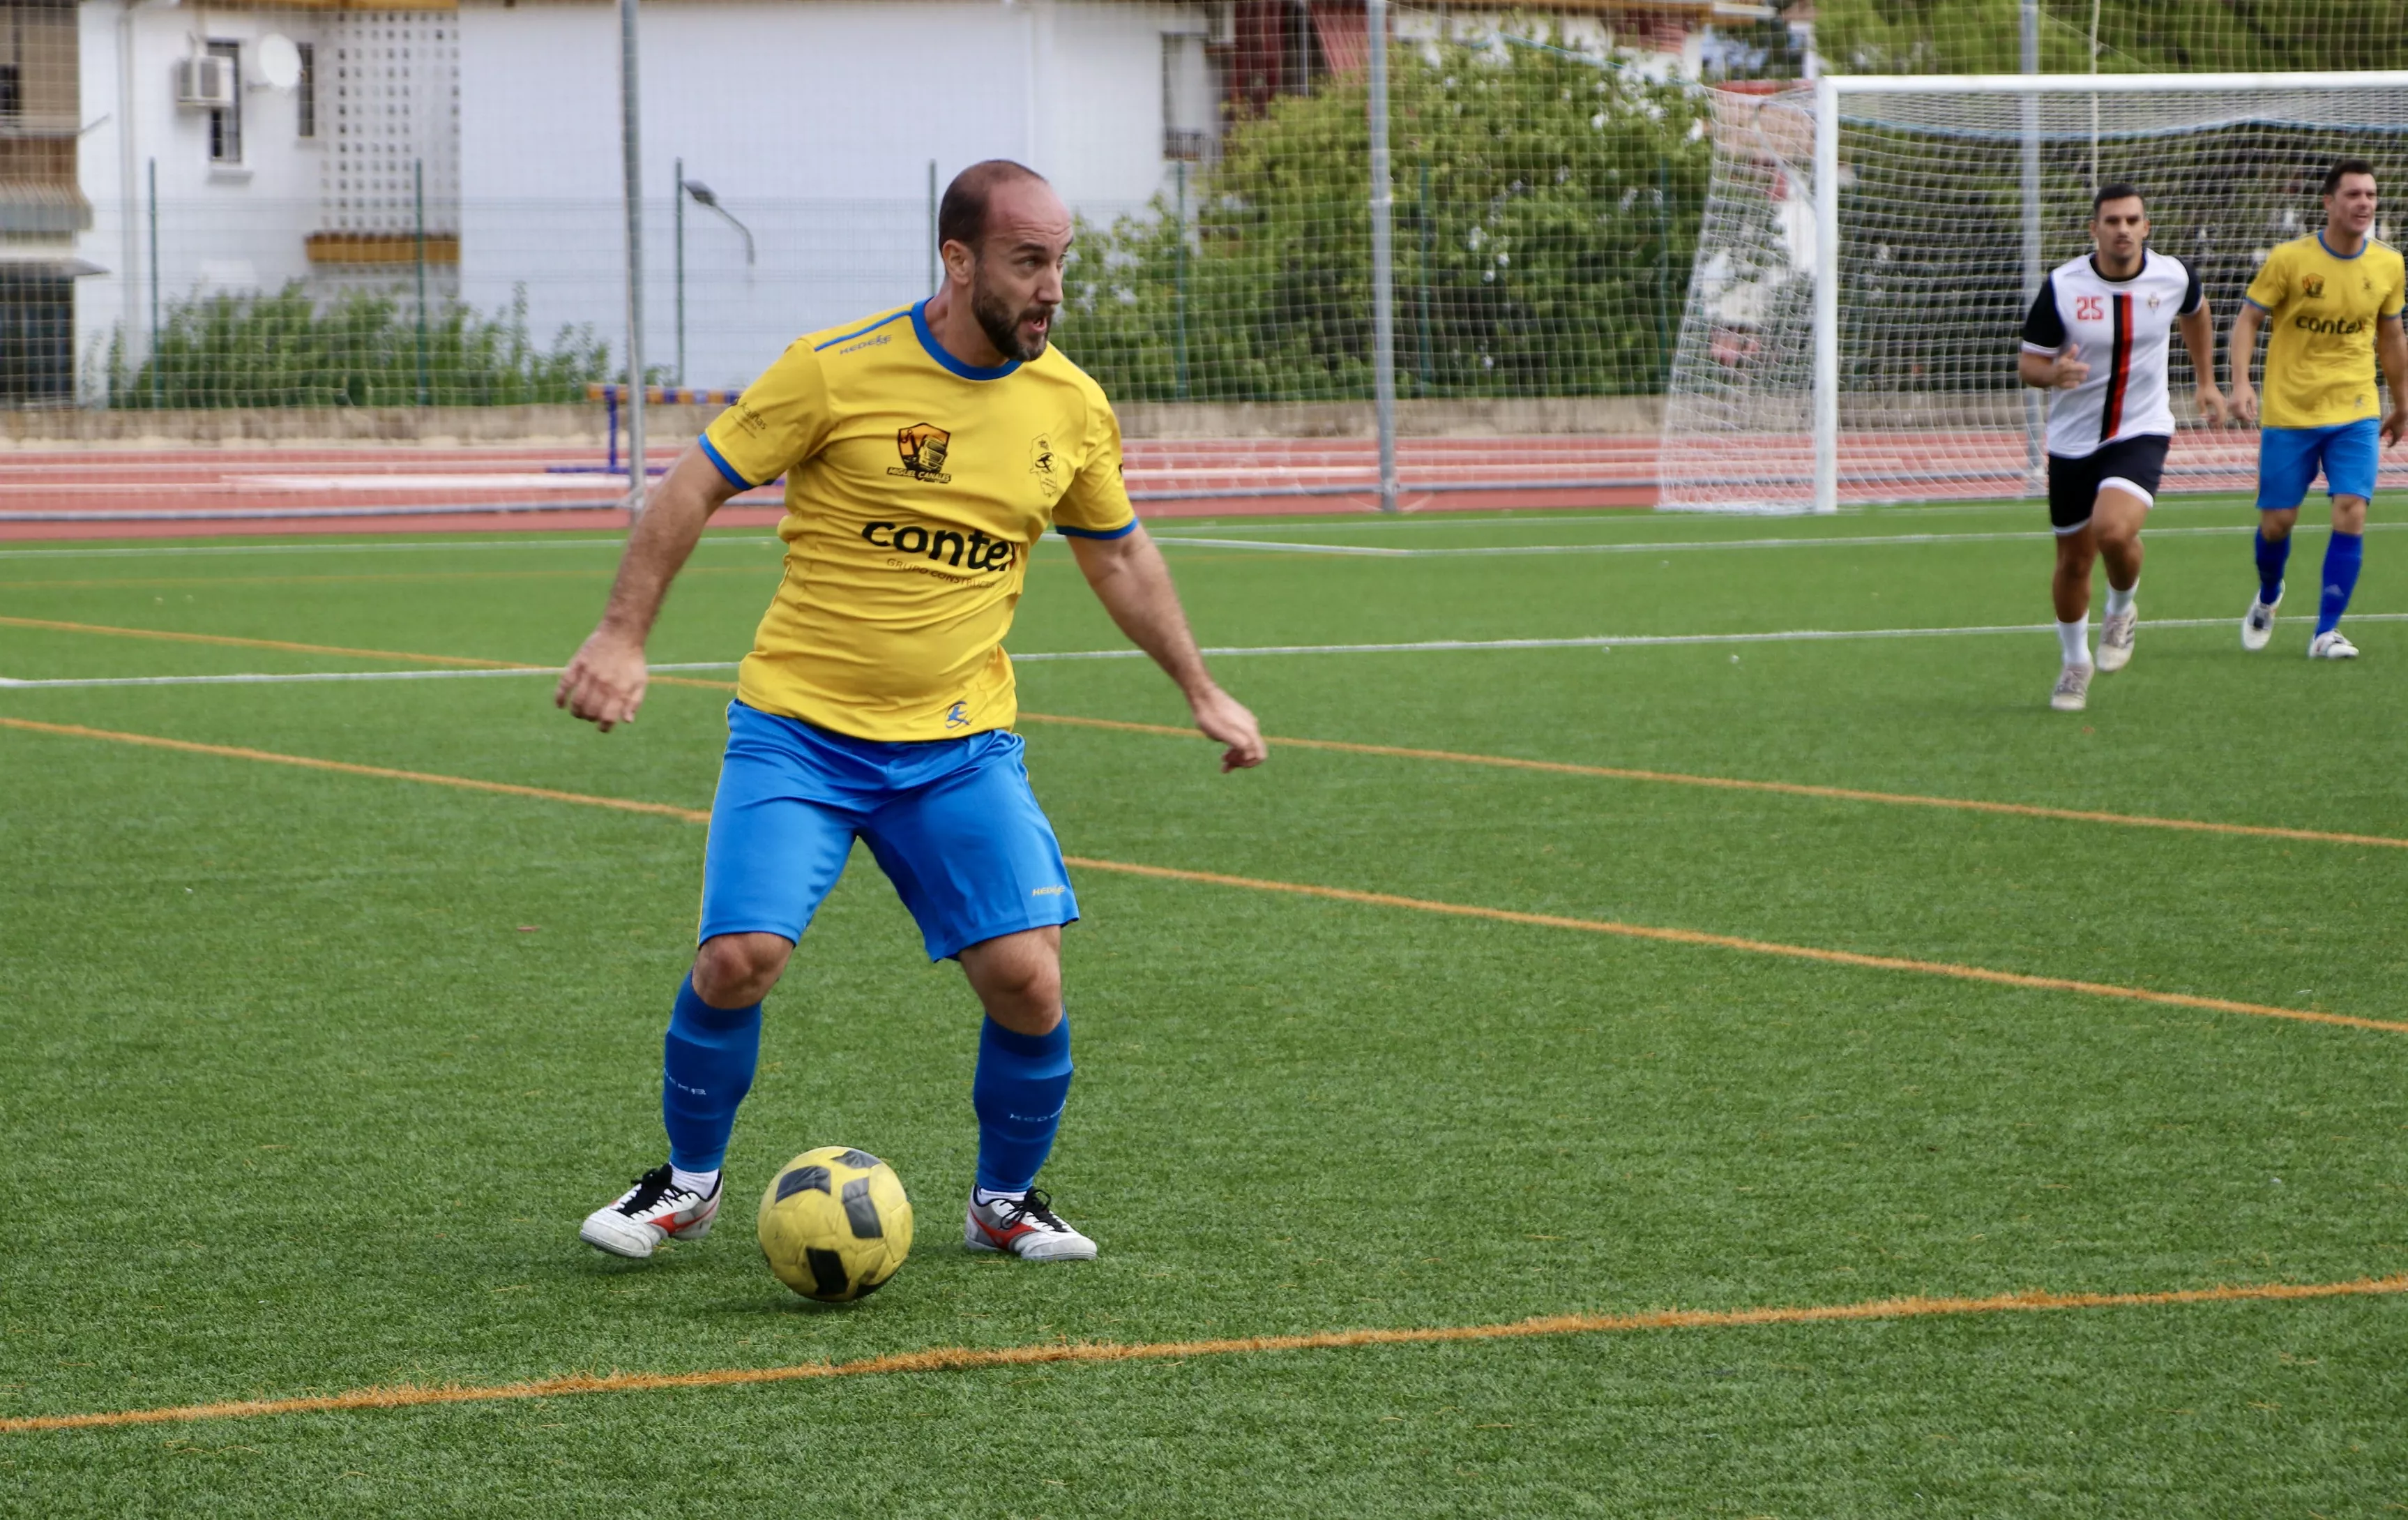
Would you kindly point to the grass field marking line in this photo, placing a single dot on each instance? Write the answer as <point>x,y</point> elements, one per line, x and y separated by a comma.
<point>1755,946</point>
<point>307,677</point>
<point>396,546</point>
<point>1510,551</point>
<point>1789,636</point>
<point>169,635</point>
<point>1378,899</point>
<point>974,1358</point>
<point>346,767</point>
<point>1733,783</point>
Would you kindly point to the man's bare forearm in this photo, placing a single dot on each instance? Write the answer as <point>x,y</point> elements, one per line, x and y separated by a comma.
<point>1129,577</point>
<point>2392,347</point>
<point>664,537</point>
<point>2241,349</point>
<point>2199,342</point>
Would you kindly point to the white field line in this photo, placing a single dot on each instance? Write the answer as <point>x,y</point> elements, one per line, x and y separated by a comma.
<point>314,676</point>
<point>1486,552</point>
<point>182,550</point>
<point>1608,641</point>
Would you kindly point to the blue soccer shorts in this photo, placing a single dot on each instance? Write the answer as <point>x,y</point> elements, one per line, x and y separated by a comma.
<point>951,822</point>
<point>2288,458</point>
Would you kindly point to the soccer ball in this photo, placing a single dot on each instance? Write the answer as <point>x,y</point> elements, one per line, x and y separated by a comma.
<point>835,1224</point>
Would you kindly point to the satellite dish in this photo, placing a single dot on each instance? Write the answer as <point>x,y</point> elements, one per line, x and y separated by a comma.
<point>279,61</point>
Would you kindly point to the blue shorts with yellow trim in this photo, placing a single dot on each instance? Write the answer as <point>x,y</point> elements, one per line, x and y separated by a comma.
<point>951,822</point>
<point>2289,457</point>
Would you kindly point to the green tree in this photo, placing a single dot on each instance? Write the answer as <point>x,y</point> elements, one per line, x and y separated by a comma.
<point>1984,37</point>
<point>1546,209</point>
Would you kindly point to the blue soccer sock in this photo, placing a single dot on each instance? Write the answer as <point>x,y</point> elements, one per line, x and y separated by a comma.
<point>2343,556</point>
<point>707,1068</point>
<point>2272,554</point>
<point>1022,1083</point>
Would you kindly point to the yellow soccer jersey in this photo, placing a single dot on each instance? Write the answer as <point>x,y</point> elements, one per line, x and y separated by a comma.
<point>2322,310</point>
<point>915,487</point>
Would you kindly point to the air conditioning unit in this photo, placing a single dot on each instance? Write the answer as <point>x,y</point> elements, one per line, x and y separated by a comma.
<point>205,83</point>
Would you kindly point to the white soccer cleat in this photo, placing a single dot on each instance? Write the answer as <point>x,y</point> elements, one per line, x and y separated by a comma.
<point>2332,646</point>
<point>1025,1227</point>
<point>2115,638</point>
<point>653,1210</point>
<point>2257,628</point>
<point>2073,693</point>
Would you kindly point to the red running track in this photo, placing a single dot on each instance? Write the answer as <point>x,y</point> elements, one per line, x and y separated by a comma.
<point>148,492</point>
<point>87,492</point>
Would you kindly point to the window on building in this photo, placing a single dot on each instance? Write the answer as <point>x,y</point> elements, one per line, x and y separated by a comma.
<point>225,126</point>
<point>305,96</point>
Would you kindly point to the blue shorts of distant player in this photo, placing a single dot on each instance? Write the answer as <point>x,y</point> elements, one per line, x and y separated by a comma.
<point>951,822</point>
<point>2288,458</point>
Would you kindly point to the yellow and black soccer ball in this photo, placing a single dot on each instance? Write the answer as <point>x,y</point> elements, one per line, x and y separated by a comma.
<point>835,1224</point>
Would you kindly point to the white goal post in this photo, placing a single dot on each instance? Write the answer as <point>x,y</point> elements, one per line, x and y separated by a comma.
<point>1871,244</point>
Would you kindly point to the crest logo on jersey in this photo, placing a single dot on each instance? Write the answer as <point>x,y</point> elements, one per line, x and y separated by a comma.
<point>1041,457</point>
<point>923,445</point>
<point>2156,300</point>
<point>2313,287</point>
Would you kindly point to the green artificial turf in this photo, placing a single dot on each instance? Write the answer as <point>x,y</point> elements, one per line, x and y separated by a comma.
<point>312,1075</point>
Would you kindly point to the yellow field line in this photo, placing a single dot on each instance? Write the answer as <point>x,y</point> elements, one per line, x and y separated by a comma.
<point>1377,899</point>
<point>1501,762</point>
<point>966,1359</point>
<point>1836,794</point>
<point>1753,947</point>
<point>465,783</point>
<point>179,638</point>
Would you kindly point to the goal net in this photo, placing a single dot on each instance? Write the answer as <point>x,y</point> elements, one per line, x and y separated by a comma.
<point>1850,335</point>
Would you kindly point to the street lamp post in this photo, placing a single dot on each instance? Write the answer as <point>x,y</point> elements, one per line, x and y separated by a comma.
<point>707,199</point>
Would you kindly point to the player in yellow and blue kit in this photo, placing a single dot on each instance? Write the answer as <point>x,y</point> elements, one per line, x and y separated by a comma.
<point>926,449</point>
<point>2334,300</point>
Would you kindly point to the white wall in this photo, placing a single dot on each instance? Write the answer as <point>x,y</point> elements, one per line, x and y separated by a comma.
<point>814,124</point>
<point>221,227</point>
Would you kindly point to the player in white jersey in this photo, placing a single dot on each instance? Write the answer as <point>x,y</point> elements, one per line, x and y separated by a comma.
<point>2097,336</point>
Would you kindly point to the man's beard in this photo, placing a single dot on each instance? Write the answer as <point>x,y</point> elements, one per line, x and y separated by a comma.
<point>1001,324</point>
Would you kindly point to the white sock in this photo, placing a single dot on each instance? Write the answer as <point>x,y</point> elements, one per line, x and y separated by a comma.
<point>699,1183</point>
<point>2120,602</point>
<point>982,1197</point>
<point>2074,639</point>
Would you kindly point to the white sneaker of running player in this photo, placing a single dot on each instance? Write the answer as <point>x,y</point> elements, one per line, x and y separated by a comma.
<point>2116,636</point>
<point>653,1210</point>
<point>2257,628</point>
<point>2073,692</point>
<point>2332,646</point>
<point>1025,1227</point>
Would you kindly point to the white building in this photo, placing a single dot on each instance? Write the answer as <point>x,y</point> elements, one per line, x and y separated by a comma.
<point>473,147</point>
<point>815,124</point>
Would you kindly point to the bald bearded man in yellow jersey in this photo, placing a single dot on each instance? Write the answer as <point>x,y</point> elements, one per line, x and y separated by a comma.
<point>926,449</point>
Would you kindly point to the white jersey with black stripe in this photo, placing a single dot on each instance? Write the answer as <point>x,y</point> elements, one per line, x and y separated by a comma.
<point>2123,327</point>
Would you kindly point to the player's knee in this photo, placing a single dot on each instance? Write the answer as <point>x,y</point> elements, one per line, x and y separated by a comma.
<point>2349,513</point>
<point>732,969</point>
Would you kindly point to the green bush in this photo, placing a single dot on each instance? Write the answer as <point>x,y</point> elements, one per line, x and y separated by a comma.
<point>359,349</point>
<point>1546,209</point>
<point>1984,37</point>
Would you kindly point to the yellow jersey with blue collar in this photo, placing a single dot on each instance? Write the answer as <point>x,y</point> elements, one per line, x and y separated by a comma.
<point>2322,310</point>
<point>916,486</point>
